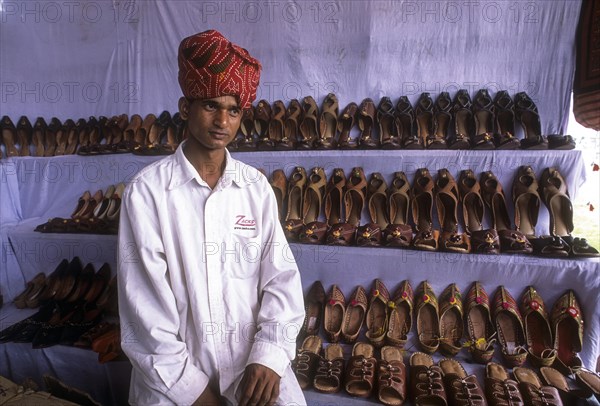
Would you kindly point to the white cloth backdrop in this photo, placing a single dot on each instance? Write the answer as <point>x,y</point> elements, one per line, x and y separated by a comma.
<point>73,59</point>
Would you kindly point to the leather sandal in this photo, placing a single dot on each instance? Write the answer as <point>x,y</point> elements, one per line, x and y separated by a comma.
<point>391,377</point>
<point>306,360</point>
<point>313,231</point>
<point>354,316</point>
<point>571,391</point>
<point>376,317</point>
<point>483,115</point>
<point>424,119</point>
<point>442,114</point>
<point>567,325</point>
<point>365,118</point>
<point>511,241</point>
<point>247,141</point>
<point>314,304</point>
<point>426,381</point>
<point>537,329</point>
<point>532,390</point>
<point>479,324</point>
<point>405,124</point>
<point>500,390</point>
<point>428,319</point>
<point>526,112</point>
<point>295,197</point>
<point>463,121</point>
<point>451,320</point>
<point>333,317</point>
<point>462,389</point>
<point>262,118</point>
<point>401,314</point>
<point>328,123</point>
<point>446,199</point>
<point>24,134</point>
<point>345,125</point>
<point>279,184</point>
<point>399,232</point>
<point>387,124</point>
<point>504,114</point>
<point>509,326</point>
<point>330,370</point>
<point>371,234</point>
<point>590,380</point>
<point>360,370</point>
<point>277,128</point>
<point>422,208</point>
<point>309,130</point>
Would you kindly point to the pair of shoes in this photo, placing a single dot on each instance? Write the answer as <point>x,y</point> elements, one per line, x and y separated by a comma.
<point>499,388</point>
<point>354,192</point>
<point>533,391</point>
<point>433,120</point>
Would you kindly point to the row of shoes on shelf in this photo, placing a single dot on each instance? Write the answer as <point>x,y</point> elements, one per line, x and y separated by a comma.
<point>522,329</point>
<point>364,373</point>
<point>93,214</point>
<point>303,197</point>
<point>482,124</point>
<point>74,302</point>
<point>150,135</point>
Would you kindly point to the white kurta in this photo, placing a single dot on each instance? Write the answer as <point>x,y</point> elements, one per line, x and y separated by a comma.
<point>207,282</point>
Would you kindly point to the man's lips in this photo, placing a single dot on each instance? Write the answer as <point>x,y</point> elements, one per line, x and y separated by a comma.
<point>218,134</point>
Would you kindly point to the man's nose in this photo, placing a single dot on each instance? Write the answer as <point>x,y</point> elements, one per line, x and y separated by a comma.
<point>221,117</point>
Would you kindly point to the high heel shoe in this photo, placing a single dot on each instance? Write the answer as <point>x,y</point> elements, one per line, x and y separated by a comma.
<point>422,208</point>
<point>295,197</point>
<point>537,329</point>
<point>309,130</point>
<point>425,126</point>
<point>328,123</point>
<point>509,325</point>
<point>527,113</point>
<point>405,128</point>
<point>334,201</point>
<point>526,200</point>
<point>399,232</point>
<point>370,234</point>
<point>483,136</point>
<point>387,125</point>
<point>441,121</point>
<point>503,110</point>
<point>365,118</point>
<point>446,198</point>
<point>345,126</point>
<point>313,231</point>
<point>262,117</point>
<point>463,120</point>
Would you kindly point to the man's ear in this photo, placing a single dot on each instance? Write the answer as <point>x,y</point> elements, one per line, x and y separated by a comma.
<point>184,108</point>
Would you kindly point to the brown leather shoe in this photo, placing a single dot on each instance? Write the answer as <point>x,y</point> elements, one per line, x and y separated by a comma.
<point>509,326</point>
<point>391,378</point>
<point>422,208</point>
<point>534,393</point>
<point>537,329</point>
<point>330,369</point>
<point>333,318</point>
<point>313,231</point>
<point>446,200</point>
<point>500,390</point>
<point>313,308</point>
<point>355,315</point>
<point>451,320</point>
<point>400,319</point>
<point>462,389</point>
<point>306,360</point>
<point>295,197</point>
<point>428,327</point>
<point>370,234</point>
<point>377,314</point>
<point>479,324</point>
<point>279,184</point>
<point>399,232</point>
<point>426,382</point>
<point>360,370</point>
<point>365,118</point>
<point>567,325</point>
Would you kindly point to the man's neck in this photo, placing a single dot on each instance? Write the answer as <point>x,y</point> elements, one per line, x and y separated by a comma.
<point>209,164</point>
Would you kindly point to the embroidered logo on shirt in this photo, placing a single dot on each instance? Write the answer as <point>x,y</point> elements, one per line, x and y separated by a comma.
<point>244,223</point>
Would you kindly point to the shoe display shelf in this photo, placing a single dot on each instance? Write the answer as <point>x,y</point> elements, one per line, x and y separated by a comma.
<point>36,189</point>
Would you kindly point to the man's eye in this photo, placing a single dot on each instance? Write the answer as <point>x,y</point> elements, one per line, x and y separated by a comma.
<point>235,112</point>
<point>210,106</point>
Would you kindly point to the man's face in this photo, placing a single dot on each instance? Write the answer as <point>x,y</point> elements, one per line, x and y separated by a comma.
<point>212,123</point>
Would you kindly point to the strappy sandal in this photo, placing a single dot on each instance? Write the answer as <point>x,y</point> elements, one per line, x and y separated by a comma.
<point>306,360</point>
<point>246,142</point>
<point>330,370</point>
<point>567,325</point>
<point>483,115</point>
<point>365,118</point>
<point>572,391</point>
<point>309,130</point>
<point>479,324</point>
<point>503,110</point>
<point>314,304</point>
<point>500,390</point>
<point>405,128</point>
<point>333,316</point>
<point>441,121</point>
<point>24,133</point>
<point>360,371</point>
<point>425,127</point>
<point>345,126</point>
<point>399,232</point>
<point>354,316</point>
<point>463,389</point>
<point>537,329</point>
<point>279,185</point>
<point>376,317</point>
<point>451,320</point>
<point>339,233</point>
<point>532,390</point>
<point>463,120</point>
<point>313,231</point>
<point>291,124</point>
<point>422,208</point>
<point>391,377</point>
<point>277,128</point>
<point>262,118</point>
<point>39,136</point>
<point>426,381</point>
<point>295,197</point>
<point>328,123</point>
<point>401,314</point>
<point>509,326</point>
<point>511,241</point>
<point>387,124</point>
<point>527,113</point>
<point>446,200</point>
<point>371,233</point>
<point>428,319</point>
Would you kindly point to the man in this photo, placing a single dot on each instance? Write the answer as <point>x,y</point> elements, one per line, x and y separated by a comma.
<point>209,295</point>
